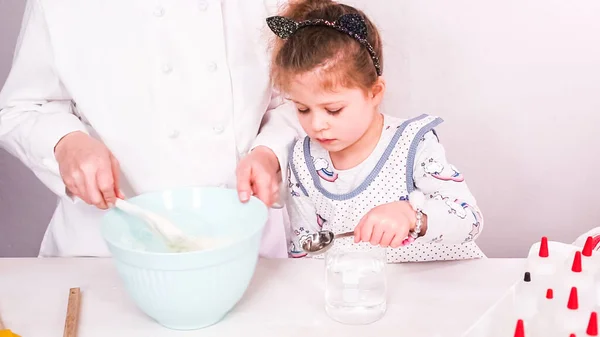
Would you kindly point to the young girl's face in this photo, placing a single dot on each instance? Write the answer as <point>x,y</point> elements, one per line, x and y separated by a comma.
<point>336,118</point>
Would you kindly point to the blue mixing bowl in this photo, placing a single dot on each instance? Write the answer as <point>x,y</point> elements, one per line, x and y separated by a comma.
<point>191,290</point>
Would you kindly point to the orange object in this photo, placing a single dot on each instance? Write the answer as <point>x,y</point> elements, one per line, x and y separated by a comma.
<point>4,332</point>
<point>8,333</point>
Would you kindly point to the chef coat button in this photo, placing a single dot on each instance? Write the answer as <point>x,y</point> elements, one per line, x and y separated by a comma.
<point>203,5</point>
<point>218,129</point>
<point>167,68</point>
<point>212,67</point>
<point>159,11</point>
<point>174,134</point>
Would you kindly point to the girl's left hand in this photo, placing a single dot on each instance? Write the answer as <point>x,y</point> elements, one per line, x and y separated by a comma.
<point>259,174</point>
<point>386,225</point>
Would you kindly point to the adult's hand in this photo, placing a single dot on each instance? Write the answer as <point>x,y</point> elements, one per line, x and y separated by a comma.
<point>259,174</point>
<point>88,169</point>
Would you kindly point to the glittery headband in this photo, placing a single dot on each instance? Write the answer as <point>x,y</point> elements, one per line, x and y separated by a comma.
<point>351,24</point>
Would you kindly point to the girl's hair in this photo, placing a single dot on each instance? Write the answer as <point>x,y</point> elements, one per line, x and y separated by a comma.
<point>337,58</point>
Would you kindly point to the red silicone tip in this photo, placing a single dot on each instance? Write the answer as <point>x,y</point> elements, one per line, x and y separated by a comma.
<point>576,268</point>
<point>588,247</point>
<point>544,247</point>
<point>592,328</point>
<point>572,335</point>
<point>549,294</point>
<point>520,329</point>
<point>573,300</point>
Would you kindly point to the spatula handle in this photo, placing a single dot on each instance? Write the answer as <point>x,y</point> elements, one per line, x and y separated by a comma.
<point>131,208</point>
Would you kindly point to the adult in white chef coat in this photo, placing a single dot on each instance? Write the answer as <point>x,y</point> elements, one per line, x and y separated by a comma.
<point>168,93</point>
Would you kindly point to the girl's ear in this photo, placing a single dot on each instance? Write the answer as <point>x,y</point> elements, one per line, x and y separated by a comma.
<point>378,90</point>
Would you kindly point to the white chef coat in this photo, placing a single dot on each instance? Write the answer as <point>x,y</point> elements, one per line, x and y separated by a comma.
<point>178,90</point>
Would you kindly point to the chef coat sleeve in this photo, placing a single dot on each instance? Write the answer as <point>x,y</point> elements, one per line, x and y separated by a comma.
<point>278,131</point>
<point>35,108</point>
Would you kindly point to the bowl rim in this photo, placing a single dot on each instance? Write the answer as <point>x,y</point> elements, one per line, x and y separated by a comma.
<point>104,224</point>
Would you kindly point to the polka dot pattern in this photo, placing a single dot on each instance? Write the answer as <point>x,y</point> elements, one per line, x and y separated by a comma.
<point>344,211</point>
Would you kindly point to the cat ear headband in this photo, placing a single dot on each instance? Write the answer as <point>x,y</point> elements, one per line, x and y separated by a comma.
<point>352,24</point>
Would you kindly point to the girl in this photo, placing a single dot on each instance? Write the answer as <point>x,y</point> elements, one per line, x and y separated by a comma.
<point>385,178</point>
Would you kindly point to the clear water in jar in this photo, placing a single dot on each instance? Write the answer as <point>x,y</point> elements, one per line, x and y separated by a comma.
<point>356,287</point>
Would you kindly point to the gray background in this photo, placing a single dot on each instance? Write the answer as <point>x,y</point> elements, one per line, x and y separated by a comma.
<point>26,205</point>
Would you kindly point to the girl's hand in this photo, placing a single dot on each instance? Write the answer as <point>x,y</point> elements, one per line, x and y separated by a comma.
<point>259,174</point>
<point>387,225</point>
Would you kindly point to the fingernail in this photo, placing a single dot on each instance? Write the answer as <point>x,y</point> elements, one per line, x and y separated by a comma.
<point>244,196</point>
<point>111,205</point>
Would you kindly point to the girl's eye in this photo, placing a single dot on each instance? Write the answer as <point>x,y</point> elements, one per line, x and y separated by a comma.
<point>303,111</point>
<point>335,112</point>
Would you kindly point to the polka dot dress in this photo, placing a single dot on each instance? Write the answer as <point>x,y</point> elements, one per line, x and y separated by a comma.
<point>390,180</point>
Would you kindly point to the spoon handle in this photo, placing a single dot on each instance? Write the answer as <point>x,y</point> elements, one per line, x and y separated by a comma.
<point>343,235</point>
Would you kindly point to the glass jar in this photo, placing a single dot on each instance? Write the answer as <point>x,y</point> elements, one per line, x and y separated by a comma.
<point>356,283</point>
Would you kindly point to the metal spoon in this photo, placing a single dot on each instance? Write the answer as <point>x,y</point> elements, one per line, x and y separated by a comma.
<point>320,242</point>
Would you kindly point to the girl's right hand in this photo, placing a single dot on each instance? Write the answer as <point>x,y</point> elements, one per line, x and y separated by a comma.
<point>88,169</point>
<point>386,225</point>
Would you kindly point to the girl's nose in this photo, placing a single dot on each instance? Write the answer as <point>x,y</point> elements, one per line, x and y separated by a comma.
<point>319,122</point>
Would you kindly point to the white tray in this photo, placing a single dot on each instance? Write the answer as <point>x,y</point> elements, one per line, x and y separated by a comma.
<point>500,320</point>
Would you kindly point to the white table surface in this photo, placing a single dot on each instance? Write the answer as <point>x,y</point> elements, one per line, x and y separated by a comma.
<point>285,299</point>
